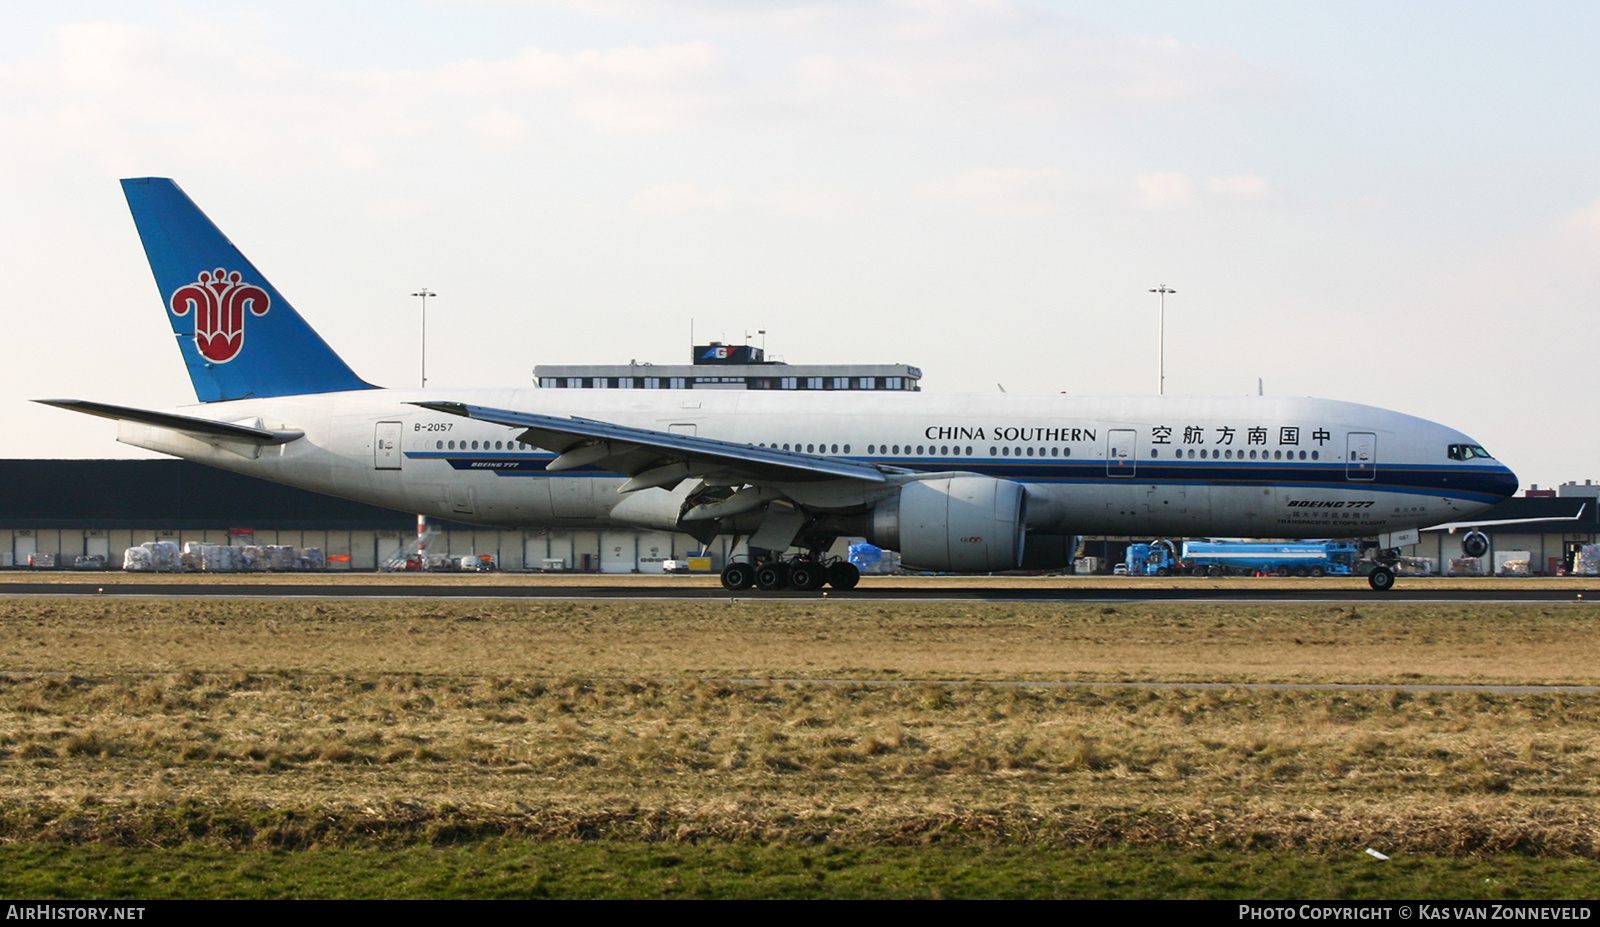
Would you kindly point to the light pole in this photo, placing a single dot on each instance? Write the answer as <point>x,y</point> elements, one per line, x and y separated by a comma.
<point>422,520</point>
<point>1161,341</point>
<point>424,293</point>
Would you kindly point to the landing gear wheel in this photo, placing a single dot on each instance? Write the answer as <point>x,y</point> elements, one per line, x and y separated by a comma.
<point>843,575</point>
<point>1381,579</point>
<point>737,576</point>
<point>772,576</point>
<point>806,575</point>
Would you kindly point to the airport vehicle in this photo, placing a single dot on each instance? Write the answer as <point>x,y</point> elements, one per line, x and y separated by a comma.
<point>1157,558</point>
<point>954,483</point>
<point>1224,558</point>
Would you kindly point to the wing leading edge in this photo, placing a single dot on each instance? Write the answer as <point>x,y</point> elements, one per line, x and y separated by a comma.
<point>1454,526</point>
<point>656,458</point>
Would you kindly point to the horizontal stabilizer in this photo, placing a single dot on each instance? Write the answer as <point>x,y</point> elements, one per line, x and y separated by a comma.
<point>188,424</point>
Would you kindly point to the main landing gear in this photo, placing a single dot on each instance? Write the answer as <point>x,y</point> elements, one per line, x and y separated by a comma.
<point>801,574</point>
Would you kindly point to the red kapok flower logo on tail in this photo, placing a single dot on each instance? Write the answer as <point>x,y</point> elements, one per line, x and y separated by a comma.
<point>219,300</point>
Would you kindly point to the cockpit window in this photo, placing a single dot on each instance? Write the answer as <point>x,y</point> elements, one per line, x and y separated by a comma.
<point>1468,452</point>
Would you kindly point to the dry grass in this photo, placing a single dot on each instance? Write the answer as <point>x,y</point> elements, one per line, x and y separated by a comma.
<point>1173,642</point>
<point>300,723</point>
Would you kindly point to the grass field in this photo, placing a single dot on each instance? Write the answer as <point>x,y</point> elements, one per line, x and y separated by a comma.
<point>565,749</point>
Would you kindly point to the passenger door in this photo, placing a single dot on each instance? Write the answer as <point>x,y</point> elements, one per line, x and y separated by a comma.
<point>1120,450</point>
<point>386,446</point>
<point>1361,456</point>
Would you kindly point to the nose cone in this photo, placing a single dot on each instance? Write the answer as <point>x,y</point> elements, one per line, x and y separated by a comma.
<point>1503,482</point>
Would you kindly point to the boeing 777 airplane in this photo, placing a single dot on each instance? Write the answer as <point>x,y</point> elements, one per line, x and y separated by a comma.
<point>957,483</point>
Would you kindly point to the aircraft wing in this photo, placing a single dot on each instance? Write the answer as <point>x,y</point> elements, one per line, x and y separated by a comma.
<point>1454,526</point>
<point>204,428</point>
<point>658,458</point>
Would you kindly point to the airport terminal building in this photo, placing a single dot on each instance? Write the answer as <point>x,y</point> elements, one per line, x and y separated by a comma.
<point>59,510</point>
<point>728,366</point>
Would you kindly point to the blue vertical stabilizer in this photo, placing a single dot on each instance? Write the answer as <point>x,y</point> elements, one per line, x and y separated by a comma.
<point>239,337</point>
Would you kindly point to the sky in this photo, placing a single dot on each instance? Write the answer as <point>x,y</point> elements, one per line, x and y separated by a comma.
<point>1389,203</point>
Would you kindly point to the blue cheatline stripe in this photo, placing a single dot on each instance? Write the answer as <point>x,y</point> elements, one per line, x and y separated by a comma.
<point>1411,479</point>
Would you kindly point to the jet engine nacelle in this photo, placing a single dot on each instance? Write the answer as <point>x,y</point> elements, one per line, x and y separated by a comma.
<point>1475,544</point>
<point>959,524</point>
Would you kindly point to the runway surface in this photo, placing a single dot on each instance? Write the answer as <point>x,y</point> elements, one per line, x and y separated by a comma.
<point>1243,592</point>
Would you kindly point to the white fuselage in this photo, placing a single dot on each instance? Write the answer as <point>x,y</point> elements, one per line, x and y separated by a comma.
<point>1102,465</point>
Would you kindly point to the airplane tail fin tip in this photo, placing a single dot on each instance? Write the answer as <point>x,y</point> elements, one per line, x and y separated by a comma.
<point>239,337</point>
